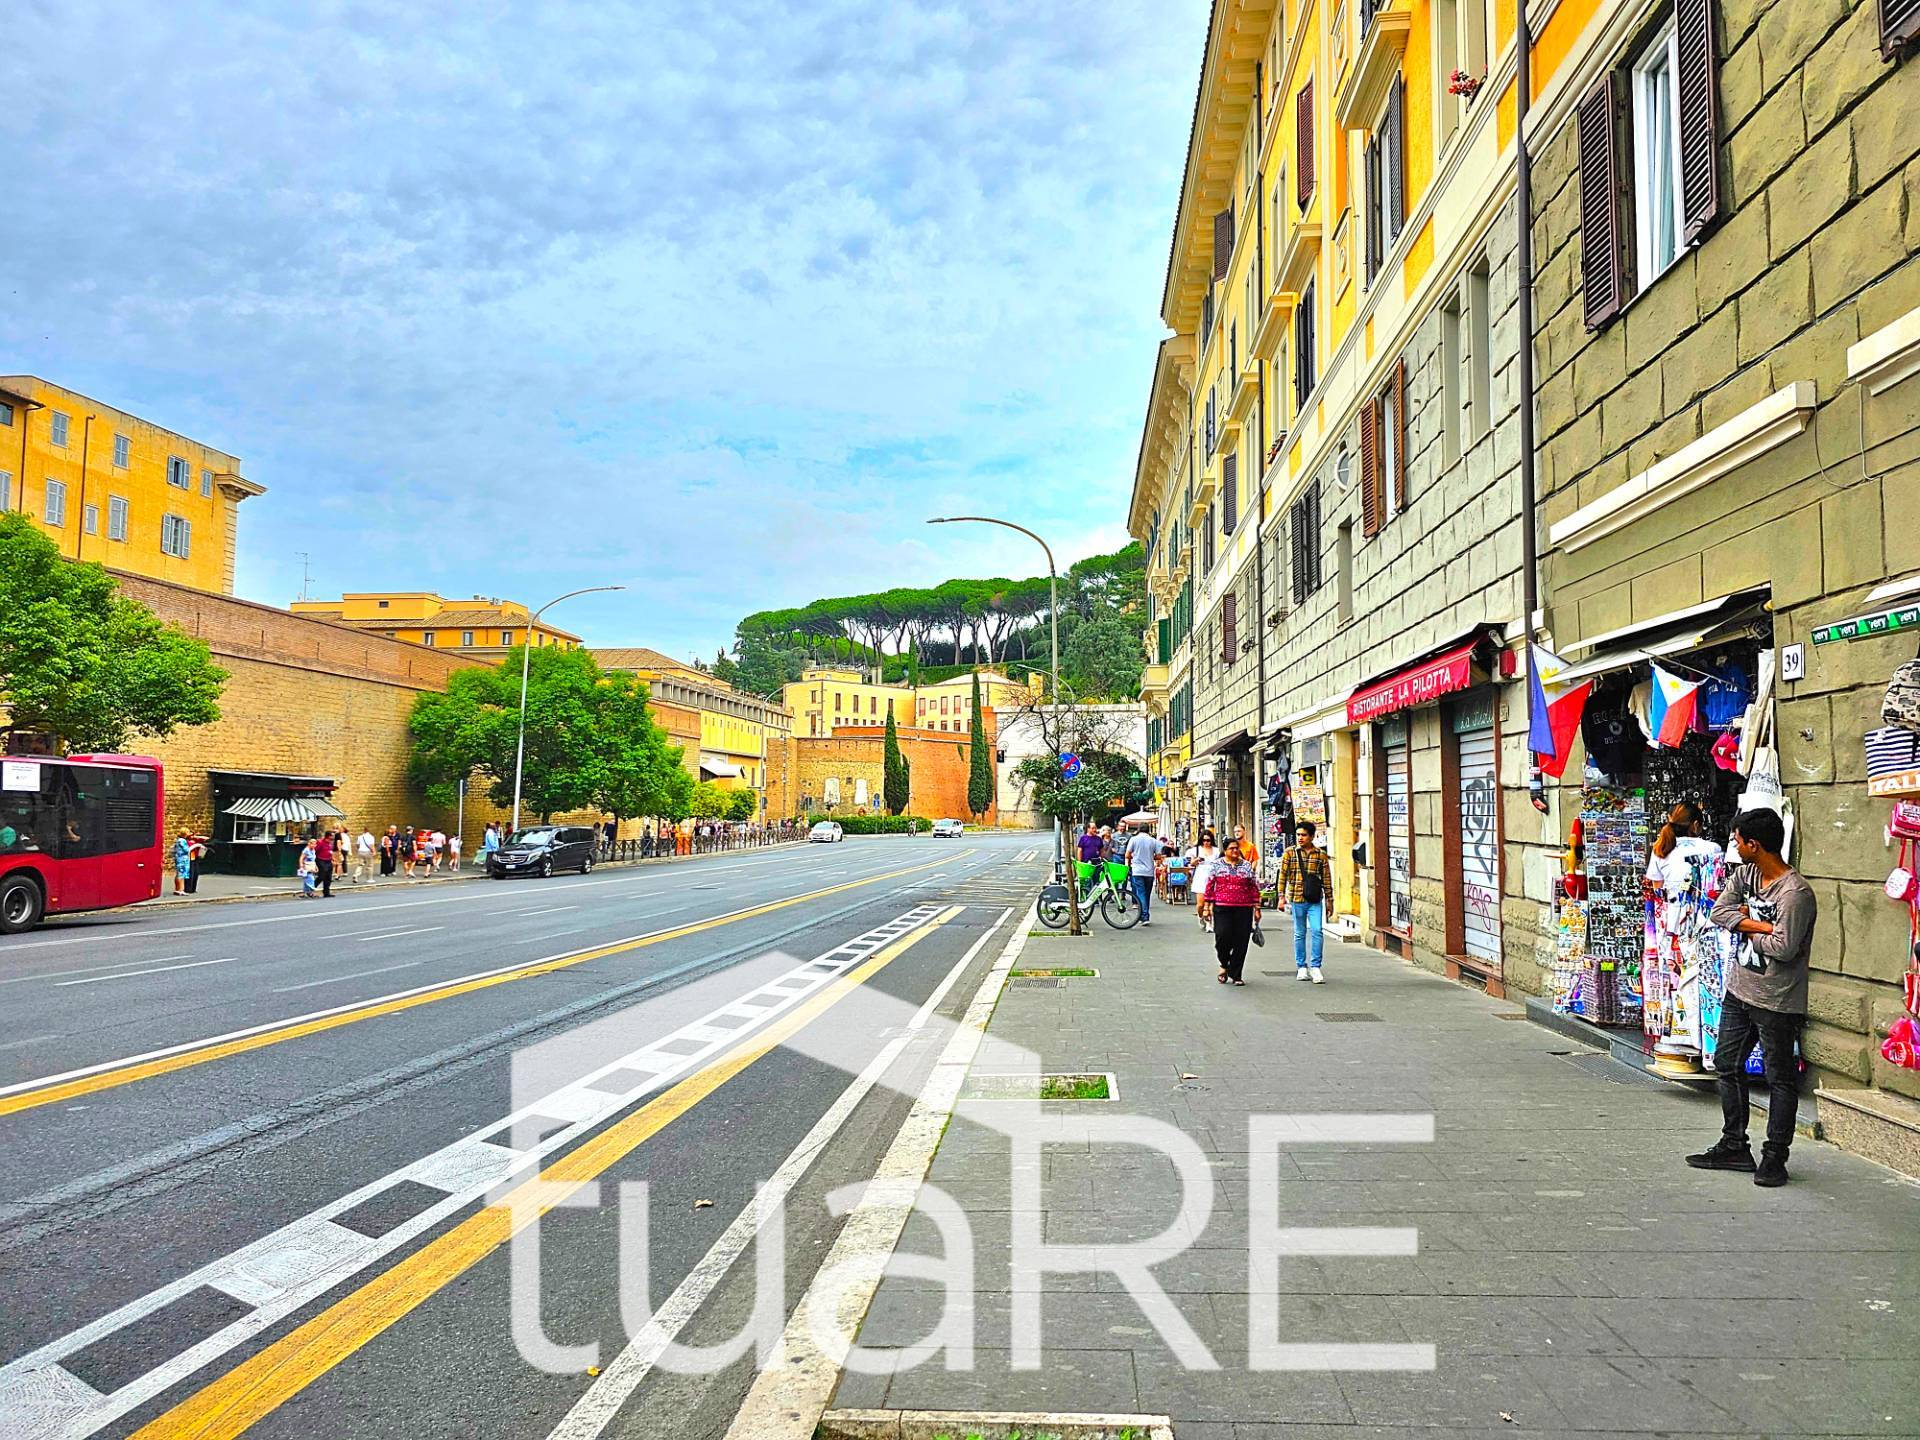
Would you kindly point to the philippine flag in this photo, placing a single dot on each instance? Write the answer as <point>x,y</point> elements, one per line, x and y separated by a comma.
<point>1674,702</point>
<point>1553,712</point>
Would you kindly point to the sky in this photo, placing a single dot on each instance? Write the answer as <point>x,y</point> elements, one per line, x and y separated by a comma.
<point>717,300</point>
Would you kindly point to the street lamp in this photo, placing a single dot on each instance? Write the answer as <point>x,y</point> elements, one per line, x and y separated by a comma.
<point>526,660</point>
<point>1053,626</point>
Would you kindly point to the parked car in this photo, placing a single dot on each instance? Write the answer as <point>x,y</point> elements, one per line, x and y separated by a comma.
<point>542,849</point>
<point>825,832</point>
<point>948,829</point>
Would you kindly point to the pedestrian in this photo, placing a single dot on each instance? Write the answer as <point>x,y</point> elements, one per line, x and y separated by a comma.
<point>1088,847</point>
<point>309,870</point>
<point>1771,909</point>
<point>182,862</point>
<point>323,862</point>
<point>1233,895</point>
<point>408,857</point>
<point>1306,880</point>
<point>453,852</point>
<point>363,857</point>
<point>196,852</point>
<point>436,851</point>
<point>390,851</point>
<point>611,833</point>
<point>1143,857</point>
<point>1206,859</point>
<point>1248,850</point>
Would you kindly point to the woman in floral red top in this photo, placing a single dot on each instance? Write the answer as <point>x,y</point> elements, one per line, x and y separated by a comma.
<point>1234,895</point>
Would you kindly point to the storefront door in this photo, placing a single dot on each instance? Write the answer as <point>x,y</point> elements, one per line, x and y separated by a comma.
<point>1397,756</point>
<point>1479,855</point>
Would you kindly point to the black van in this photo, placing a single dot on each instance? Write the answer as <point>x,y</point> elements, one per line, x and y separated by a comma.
<point>543,849</point>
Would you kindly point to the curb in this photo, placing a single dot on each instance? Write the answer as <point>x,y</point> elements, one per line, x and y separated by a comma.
<point>989,1424</point>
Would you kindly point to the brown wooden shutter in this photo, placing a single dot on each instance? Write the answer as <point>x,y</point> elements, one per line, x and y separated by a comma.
<point>1400,437</point>
<point>1370,466</point>
<point>1230,492</point>
<point>1222,242</point>
<point>1303,139</point>
<point>1230,626</point>
<point>1604,278</point>
<point>1899,26</point>
<point>1697,89</point>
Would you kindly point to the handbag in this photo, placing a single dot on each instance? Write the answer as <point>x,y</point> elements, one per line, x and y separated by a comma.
<point>1255,935</point>
<point>1901,704</point>
<point>1904,822</point>
<point>1893,761</point>
<point>1902,886</point>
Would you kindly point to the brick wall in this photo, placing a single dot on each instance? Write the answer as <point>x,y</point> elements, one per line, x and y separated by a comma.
<point>937,761</point>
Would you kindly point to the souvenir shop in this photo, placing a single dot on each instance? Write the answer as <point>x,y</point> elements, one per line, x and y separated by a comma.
<point>1675,719</point>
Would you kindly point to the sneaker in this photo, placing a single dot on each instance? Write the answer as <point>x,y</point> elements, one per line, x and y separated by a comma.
<point>1727,1155</point>
<point>1772,1169</point>
<point>1315,976</point>
<point>1300,973</point>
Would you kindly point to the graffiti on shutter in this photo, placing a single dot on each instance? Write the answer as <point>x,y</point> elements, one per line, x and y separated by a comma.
<point>1370,467</point>
<point>1696,88</point>
<point>1603,255</point>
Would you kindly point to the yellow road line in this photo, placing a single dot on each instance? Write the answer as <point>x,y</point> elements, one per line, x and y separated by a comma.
<point>263,1382</point>
<point>53,1094</point>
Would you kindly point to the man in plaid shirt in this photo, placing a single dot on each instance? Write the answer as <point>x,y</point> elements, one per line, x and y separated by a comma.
<point>1306,882</point>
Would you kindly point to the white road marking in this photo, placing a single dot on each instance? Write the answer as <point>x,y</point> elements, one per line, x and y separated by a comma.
<point>356,975</point>
<point>396,934</point>
<point>594,1411</point>
<point>283,1271</point>
<point>94,969</point>
<point>550,910</point>
<point>136,974</point>
<point>29,1040</point>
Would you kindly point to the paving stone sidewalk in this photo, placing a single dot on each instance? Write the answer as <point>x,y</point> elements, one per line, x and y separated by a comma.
<point>1572,1274</point>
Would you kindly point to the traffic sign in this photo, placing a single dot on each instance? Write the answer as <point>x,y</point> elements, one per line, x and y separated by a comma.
<point>1070,765</point>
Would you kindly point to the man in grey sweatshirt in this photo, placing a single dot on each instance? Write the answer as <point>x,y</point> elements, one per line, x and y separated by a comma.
<point>1771,909</point>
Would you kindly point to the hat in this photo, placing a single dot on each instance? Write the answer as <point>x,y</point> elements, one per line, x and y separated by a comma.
<point>1726,751</point>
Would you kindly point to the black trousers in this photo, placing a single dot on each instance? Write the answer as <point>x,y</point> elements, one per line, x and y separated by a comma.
<point>192,885</point>
<point>1232,929</point>
<point>326,877</point>
<point>1777,1031</point>
<point>386,862</point>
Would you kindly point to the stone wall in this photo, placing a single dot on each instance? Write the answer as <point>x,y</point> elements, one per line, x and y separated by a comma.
<point>937,771</point>
<point>1817,247</point>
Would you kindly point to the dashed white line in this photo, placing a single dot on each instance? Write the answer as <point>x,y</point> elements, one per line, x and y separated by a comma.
<point>550,910</point>
<point>356,975</point>
<point>136,974</point>
<point>396,934</point>
<point>95,969</point>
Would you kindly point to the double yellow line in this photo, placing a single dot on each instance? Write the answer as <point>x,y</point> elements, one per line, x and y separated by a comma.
<point>112,1078</point>
<point>263,1382</point>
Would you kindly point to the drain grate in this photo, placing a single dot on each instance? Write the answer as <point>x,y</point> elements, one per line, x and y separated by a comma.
<point>1030,984</point>
<point>1346,1016</point>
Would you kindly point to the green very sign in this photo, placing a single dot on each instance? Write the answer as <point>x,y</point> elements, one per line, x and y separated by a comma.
<point>1861,627</point>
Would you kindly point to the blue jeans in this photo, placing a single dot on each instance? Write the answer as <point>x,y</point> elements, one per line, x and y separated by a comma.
<point>1307,919</point>
<point>1142,892</point>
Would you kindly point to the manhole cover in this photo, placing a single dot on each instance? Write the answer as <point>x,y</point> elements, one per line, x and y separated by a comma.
<point>1346,1016</point>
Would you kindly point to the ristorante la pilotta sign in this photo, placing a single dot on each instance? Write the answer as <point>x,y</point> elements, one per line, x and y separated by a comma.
<point>1417,685</point>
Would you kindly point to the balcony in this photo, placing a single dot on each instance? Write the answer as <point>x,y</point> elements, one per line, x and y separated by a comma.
<point>1204,490</point>
<point>1154,688</point>
<point>1245,391</point>
<point>1273,324</point>
<point>1372,73</point>
<point>1297,257</point>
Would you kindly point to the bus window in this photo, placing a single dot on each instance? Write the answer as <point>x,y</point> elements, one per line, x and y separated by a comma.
<point>129,811</point>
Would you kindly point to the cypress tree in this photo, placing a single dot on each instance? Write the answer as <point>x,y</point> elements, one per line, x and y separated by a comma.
<point>979,762</point>
<point>893,769</point>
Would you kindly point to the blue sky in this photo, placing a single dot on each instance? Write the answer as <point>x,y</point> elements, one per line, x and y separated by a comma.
<point>715,300</point>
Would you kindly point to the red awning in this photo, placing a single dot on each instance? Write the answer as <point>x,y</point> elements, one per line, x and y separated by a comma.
<point>1417,685</point>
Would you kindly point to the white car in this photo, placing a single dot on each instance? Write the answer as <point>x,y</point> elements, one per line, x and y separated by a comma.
<point>826,832</point>
<point>950,828</point>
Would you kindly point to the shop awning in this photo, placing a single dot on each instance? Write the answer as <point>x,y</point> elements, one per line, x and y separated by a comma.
<point>292,809</point>
<point>1416,685</point>
<point>1675,634</point>
<point>1706,616</point>
<point>1233,744</point>
<point>718,768</point>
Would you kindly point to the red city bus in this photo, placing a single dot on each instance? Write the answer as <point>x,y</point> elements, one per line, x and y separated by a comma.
<point>78,832</point>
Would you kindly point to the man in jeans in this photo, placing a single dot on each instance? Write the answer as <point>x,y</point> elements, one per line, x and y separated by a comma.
<point>1142,851</point>
<point>1306,879</point>
<point>1771,908</point>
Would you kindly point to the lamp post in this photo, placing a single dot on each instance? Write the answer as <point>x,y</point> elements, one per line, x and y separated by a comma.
<point>526,661</point>
<point>1053,627</point>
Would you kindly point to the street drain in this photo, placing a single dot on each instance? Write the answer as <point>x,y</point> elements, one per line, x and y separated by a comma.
<point>1346,1016</point>
<point>1075,973</point>
<point>1024,982</point>
<point>989,1425</point>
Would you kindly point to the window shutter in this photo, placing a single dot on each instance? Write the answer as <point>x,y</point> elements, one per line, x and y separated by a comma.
<point>1313,537</point>
<point>1375,211</point>
<point>1230,626</point>
<point>1303,139</point>
<point>1296,566</point>
<point>1222,242</point>
<point>1603,252</point>
<point>1899,26</point>
<point>1400,437</point>
<point>1697,89</point>
<point>1229,493</point>
<point>1370,467</point>
<point>1393,157</point>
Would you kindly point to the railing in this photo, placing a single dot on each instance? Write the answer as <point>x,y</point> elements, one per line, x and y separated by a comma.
<point>666,846</point>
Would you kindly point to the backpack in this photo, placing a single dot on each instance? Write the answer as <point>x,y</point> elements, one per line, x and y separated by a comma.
<point>1901,704</point>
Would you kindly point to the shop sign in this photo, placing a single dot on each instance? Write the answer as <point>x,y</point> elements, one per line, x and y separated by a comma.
<point>1474,712</point>
<point>1421,685</point>
<point>1861,627</point>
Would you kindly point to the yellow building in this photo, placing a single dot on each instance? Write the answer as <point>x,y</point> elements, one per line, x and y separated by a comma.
<point>737,733</point>
<point>948,704</point>
<point>116,489</point>
<point>486,627</point>
<point>828,696</point>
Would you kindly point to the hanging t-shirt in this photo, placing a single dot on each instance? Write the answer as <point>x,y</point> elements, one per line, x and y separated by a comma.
<point>1725,695</point>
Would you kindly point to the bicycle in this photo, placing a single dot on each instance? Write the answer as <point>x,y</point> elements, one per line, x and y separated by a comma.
<point>1116,903</point>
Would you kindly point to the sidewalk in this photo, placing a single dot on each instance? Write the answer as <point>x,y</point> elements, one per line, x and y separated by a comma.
<point>1572,1274</point>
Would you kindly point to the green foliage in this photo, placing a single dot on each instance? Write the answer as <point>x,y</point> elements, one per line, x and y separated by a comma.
<point>591,739</point>
<point>1103,779</point>
<point>709,802</point>
<point>881,824</point>
<point>83,662</point>
<point>743,805</point>
<point>894,775</point>
<point>979,759</point>
<point>1103,660</point>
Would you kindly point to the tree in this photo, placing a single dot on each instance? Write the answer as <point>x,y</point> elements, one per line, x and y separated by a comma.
<point>590,737</point>
<point>742,804</point>
<point>82,662</point>
<point>893,769</point>
<point>1102,660</point>
<point>709,801</point>
<point>979,760</point>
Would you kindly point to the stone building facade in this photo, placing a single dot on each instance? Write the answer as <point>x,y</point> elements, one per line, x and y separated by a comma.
<point>842,773</point>
<point>1729,434</point>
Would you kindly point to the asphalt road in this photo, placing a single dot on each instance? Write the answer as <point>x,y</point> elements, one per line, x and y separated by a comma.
<point>250,1147</point>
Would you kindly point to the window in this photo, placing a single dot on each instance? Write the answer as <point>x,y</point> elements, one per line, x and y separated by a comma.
<point>176,537</point>
<point>1452,391</point>
<point>57,429</point>
<point>506,637</point>
<point>179,473</point>
<point>1303,533</point>
<point>1383,453</point>
<point>1230,628</point>
<point>55,512</point>
<point>122,451</point>
<point>1303,350</point>
<point>1222,242</point>
<point>1649,167</point>
<point>1229,493</point>
<point>1386,181</point>
<point>381,604</point>
<point>116,518</point>
<point>1899,27</point>
<point>466,638</point>
<point>1206,544</point>
<point>90,519</point>
<point>428,639</point>
<point>1343,560</point>
<point>6,413</point>
<point>1303,143</point>
<point>206,483</point>
<point>1480,360</point>
<point>6,491</point>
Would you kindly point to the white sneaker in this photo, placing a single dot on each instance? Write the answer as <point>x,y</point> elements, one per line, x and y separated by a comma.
<point>1316,976</point>
<point>1300,973</point>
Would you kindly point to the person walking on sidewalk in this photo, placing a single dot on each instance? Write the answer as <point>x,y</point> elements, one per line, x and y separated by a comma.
<point>1234,897</point>
<point>363,857</point>
<point>309,870</point>
<point>1143,854</point>
<point>1306,879</point>
<point>390,851</point>
<point>453,852</point>
<point>1206,860</point>
<point>1771,909</point>
<point>323,862</point>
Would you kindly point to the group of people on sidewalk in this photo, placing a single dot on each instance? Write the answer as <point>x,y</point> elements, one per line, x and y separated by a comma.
<point>416,852</point>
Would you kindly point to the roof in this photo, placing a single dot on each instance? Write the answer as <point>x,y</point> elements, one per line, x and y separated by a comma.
<point>449,620</point>
<point>26,386</point>
<point>641,657</point>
